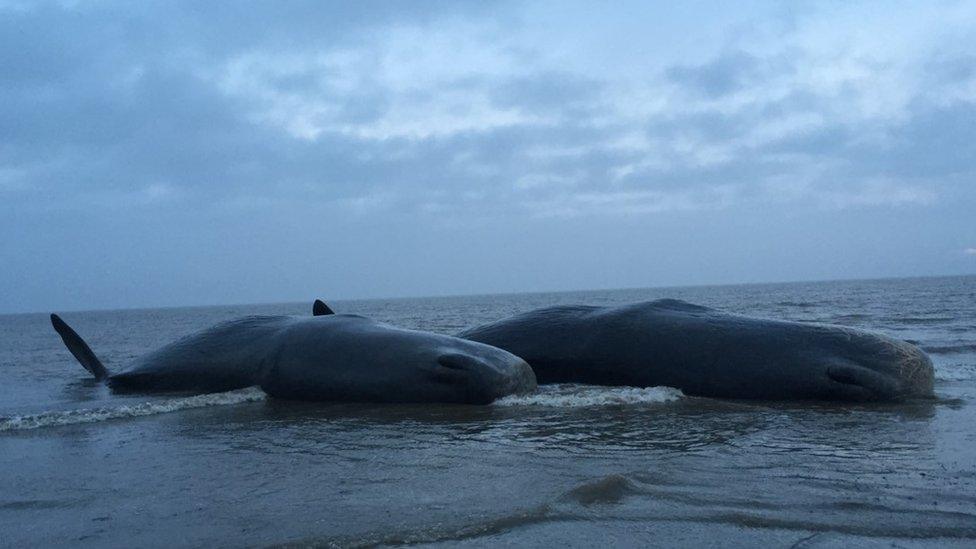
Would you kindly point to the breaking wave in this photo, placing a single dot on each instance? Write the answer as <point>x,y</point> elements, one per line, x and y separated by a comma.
<point>571,395</point>
<point>950,349</point>
<point>955,372</point>
<point>94,415</point>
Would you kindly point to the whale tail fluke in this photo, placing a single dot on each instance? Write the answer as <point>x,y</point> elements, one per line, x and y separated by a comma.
<point>81,351</point>
<point>319,308</point>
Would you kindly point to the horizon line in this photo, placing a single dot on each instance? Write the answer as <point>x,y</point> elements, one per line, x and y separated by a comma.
<point>485,294</point>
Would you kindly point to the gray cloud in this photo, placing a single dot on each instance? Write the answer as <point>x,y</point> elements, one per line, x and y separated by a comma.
<point>316,130</point>
<point>728,73</point>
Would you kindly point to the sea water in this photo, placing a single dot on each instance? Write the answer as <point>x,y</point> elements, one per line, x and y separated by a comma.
<point>570,464</point>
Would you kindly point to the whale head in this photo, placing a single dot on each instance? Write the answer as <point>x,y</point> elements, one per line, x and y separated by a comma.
<point>868,366</point>
<point>437,368</point>
<point>351,358</point>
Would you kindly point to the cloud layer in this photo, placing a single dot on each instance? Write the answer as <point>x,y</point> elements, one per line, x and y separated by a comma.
<point>304,130</point>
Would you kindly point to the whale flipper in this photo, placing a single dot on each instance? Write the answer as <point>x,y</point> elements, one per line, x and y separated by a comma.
<point>81,351</point>
<point>319,308</point>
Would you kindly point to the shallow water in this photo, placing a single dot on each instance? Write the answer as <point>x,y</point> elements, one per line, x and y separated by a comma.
<point>575,465</point>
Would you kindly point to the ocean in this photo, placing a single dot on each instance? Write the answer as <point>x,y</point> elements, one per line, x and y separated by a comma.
<point>568,465</point>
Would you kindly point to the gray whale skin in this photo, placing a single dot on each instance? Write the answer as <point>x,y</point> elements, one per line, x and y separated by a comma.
<point>705,352</point>
<point>327,357</point>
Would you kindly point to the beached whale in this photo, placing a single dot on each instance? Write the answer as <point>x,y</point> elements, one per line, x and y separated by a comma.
<point>706,352</point>
<point>326,357</point>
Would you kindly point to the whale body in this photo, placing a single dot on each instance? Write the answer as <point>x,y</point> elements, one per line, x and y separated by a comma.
<point>327,357</point>
<point>706,352</point>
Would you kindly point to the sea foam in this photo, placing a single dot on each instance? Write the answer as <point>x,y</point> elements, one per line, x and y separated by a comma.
<point>94,415</point>
<point>571,395</point>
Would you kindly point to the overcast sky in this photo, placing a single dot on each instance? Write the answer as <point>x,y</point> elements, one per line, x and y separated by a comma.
<point>168,153</point>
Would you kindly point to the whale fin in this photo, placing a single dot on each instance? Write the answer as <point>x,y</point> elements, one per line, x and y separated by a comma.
<point>319,308</point>
<point>81,351</point>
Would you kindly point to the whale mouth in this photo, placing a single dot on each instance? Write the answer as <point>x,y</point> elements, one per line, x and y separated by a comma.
<point>457,362</point>
<point>843,375</point>
<point>456,365</point>
<point>859,383</point>
<point>483,380</point>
